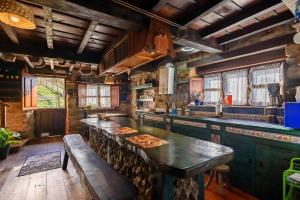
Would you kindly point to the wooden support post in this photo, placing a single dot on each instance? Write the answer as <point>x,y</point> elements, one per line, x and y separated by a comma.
<point>3,113</point>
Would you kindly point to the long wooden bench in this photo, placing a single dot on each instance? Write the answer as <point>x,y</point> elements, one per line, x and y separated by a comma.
<point>100,178</point>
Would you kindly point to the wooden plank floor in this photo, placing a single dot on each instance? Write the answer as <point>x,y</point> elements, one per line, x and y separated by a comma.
<point>63,185</point>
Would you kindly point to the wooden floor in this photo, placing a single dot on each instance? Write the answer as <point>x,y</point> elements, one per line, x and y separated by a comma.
<point>61,185</point>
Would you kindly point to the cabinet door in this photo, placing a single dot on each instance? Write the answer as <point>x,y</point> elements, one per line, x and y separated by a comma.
<point>243,164</point>
<point>199,133</point>
<point>270,164</point>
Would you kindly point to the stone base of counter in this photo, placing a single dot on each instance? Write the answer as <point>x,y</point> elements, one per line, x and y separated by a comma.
<point>149,182</point>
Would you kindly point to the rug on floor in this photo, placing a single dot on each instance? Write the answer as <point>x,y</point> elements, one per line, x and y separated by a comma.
<point>41,162</point>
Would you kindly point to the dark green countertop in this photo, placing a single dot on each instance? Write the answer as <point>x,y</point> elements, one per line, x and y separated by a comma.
<point>182,157</point>
<point>268,127</point>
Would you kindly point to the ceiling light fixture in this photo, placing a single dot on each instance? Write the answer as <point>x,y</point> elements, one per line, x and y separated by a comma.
<point>16,14</point>
<point>188,49</point>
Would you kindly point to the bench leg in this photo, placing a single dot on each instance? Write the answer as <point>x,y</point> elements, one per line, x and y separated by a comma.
<point>65,163</point>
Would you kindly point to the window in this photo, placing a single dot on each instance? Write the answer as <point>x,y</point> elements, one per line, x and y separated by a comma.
<point>212,88</point>
<point>51,92</point>
<point>105,96</point>
<point>260,77</point>
<point>92,95</point>
<point>236,83</point>
<point>102,96</point>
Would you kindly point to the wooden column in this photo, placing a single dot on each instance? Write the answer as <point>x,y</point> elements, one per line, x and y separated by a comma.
<point>3,113</point>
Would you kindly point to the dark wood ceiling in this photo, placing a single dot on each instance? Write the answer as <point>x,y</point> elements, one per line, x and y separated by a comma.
<point>86,29</point>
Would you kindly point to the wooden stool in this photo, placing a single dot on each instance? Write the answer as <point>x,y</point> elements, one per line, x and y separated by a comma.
<point>221,174</point>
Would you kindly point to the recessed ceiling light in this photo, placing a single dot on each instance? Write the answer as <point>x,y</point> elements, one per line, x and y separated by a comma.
<point>188,49</point>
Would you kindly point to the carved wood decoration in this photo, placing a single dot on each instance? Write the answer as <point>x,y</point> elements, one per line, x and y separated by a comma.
<point>48,26</point>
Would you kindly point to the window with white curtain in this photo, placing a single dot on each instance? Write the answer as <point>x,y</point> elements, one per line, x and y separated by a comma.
<point>260,77</point>
<point>105,101</point>
<point>91,95</point>
<point>212,88</point>
<point>236,83</point>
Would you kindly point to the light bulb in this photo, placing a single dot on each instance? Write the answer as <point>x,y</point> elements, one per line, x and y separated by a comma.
<point>15,19</point>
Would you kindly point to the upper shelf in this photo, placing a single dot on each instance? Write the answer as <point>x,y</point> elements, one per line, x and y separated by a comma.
<point>144,86</point>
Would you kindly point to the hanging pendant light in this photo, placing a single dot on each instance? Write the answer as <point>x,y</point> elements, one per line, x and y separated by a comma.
<point>16,14</point>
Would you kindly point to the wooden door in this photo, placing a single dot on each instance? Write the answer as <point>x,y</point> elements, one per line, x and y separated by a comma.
<point>52,121</point>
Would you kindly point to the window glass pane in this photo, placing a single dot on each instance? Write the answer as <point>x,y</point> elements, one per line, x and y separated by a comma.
<point>92,101</point>
<point>212,88</point>
<point>260,77</point>
<point>91,90</point>
<point>105,102</point>
<point>104,91</point>
<point>235,83</point>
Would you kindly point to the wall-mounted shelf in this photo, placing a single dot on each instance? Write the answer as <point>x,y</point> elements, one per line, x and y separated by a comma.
<point>145,99</point>
<point>144,86</point>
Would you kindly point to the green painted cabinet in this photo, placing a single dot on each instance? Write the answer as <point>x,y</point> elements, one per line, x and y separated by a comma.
<point>242,166</point>
<point>271,161</point>
<point>200,133</point>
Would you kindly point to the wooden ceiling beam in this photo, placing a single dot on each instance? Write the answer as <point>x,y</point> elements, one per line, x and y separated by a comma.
<point>48,26</point>
<point>255,49</point>
<point>51,61</point>
<point>276,55</point>
<point>269,23</point>
<point>38,49</point>
<point>241,17</point>
<point>103,12</point>
<point>10,33</point>
<point>87,36</point>
<point>203,11</point>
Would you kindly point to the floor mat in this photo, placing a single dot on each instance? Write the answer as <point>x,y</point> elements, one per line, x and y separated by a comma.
<point>41,162</point>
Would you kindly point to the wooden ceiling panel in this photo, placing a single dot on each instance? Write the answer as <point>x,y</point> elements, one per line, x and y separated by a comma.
<point>108,30</point>
<point>212,18</point>
<point>200,24</point>
<point>59,17</point>
<point>98,41</point>
<point>168,11</point>
<point>96,46</point>
<point>227,9</point>
<point>182,5</point>
<point>66,19</point>
<point>266,15</point>
<point>245,3</point>
<point>62,27</point>
<point>103,37</point>
<point>66,40</point>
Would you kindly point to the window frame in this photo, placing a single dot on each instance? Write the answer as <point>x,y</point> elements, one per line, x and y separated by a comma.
<point>219,75</point>
<point>82,98</point>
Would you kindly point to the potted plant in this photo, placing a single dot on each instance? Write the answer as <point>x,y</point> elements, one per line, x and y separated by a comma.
<point>7,137</point>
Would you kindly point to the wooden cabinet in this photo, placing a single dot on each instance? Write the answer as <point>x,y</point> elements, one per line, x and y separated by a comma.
<point>29,91</point>
<point>166,79</point>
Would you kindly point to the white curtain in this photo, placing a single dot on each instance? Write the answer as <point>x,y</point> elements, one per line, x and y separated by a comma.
<point>236,83</point>
<point>91,95</point>
<point>212,88</point>
<point>105,101</point>
<point>260,77</point>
